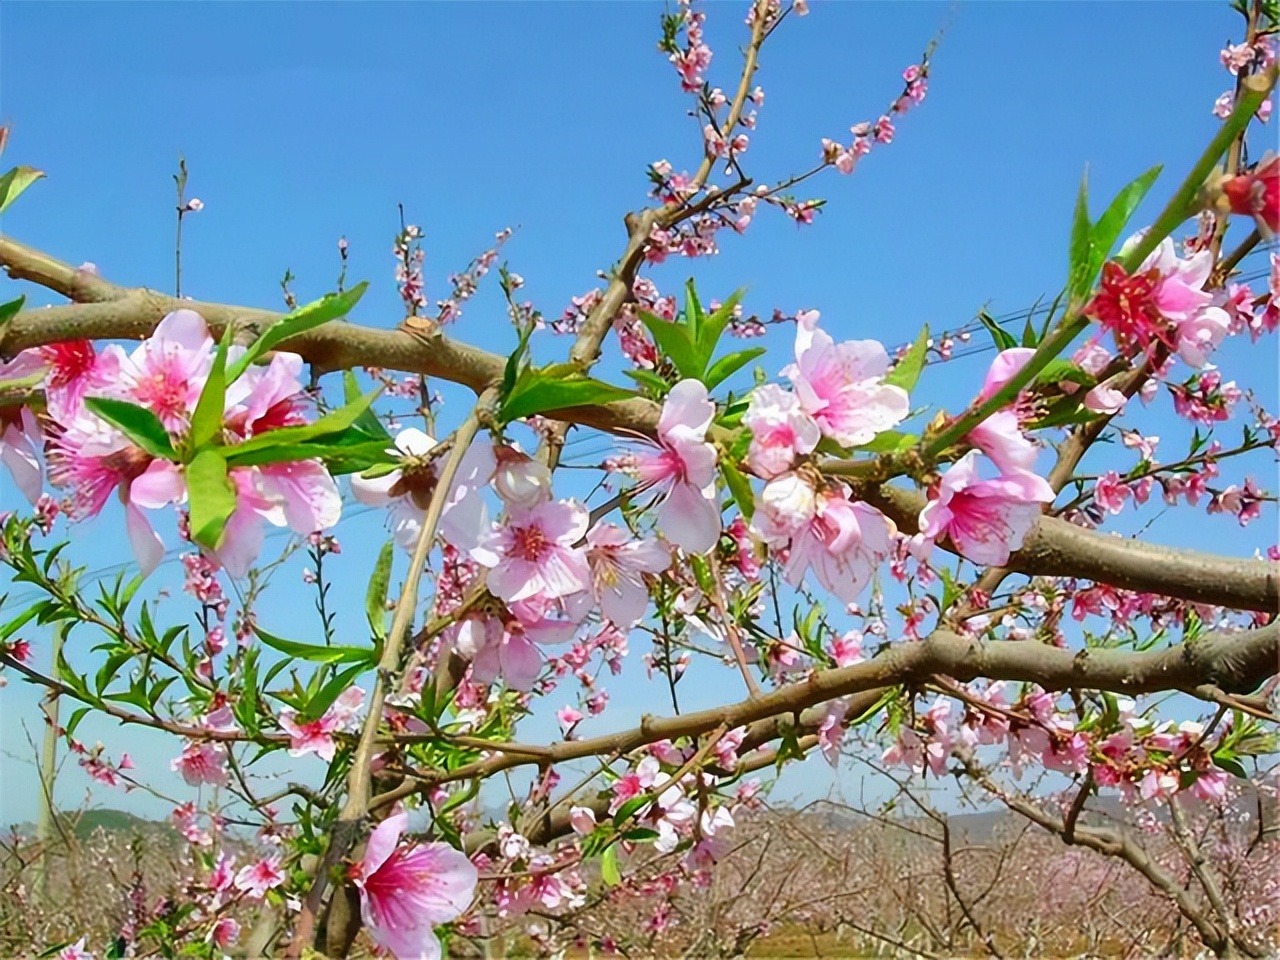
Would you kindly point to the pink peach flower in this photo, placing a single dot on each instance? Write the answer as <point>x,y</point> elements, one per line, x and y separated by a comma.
<point>534,553</point>
<point>618,565</point>
<point>406,889</point>
<point>986,520</point>
<point>780,430</point>
<point>683,469</point>
<point>841,385</point>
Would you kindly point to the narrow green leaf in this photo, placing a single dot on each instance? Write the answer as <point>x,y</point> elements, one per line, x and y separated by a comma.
<point>693,313</point>
<point>10,310</point>
<point>609,871</point>
<point>367,421</point>
<point>1055,371</point>
<point>1002,338</point>
<point>331,423</point>
<point>740,488</point>
<point>212,498</point>
<point>305,318</point>
<point>15,182</point>
<point>317,654</point>
<point>1078,261</point>
<point>728,365</point>
<point>647,378</point>
<point>375,597</point>
<point>906,372</point>
<point>339,457</point>
<point>534,393</point>
<point>1111,224</point>
<point>206,421</point>
<point>674,344</point>
<point>889,441</point>
<point>330,692</point>
<point>137,423</point>
<point>713,327</point>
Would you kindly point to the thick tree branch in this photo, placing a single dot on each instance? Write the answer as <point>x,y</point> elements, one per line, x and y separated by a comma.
<point>1053,548</point>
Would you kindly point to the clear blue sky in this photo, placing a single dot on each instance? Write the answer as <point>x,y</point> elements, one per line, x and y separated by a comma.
<point>301,123</point>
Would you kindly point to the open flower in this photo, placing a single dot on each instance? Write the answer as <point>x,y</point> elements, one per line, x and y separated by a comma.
<point>840,541</point>
<point>533,554</point>
<point>683,469</point>
<point>985,519</point>
<point>841,385</point>
<point>618,565</point>
<point>780,430</point>
<point>407,888</point>
<point>406,491</point>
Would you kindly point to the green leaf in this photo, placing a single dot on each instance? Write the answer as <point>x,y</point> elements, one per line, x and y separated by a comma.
<point>345,453</point>
<point>728,365</point>
<point>713,327</point>
<point>537,391</point>
<point>367,421</point>
<point>889,441</point>
<point>330,692</point>
<point>375,596</point>
<point>137,423</point>
<point>317,654</point>
<point>206,421</point>
<point>693,313</point>
<point>512,368</point>
<point>10,310</point>
<point>647,378</point>
<point>212,498</point>
<point>15,182</point>
<point>740,488</point>
<point>1003,338</point>
<point>1078,259</point>
<point>331,423</point>
<point>674,344</point>
<point>301,320</point>
<point>1231,765</point>
<point>906,372</point>
<point>1055,371</point>
<point>609,871</point>
<point>1111,224</point>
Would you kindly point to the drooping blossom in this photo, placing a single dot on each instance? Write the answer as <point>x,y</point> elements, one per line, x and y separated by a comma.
<point>841,385</point>
<point>521,481</point>
<point>986,520</point>
<point>618,565</point>
<point>683,469</point>
<point>534,553</point>
<point>508,648</point>
<point>407,888</point>
<point>583,820</point>
<point>780,431</point>
<point>1000,435</point>
<point>841,541</point>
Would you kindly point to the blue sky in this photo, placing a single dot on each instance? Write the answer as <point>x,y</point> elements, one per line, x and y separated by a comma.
<point>304,122</point>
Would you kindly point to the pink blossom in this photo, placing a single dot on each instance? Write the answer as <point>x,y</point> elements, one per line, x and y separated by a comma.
<point>1199,335</point>
<point>1000,437</point>
<point>846,649</point>
<point>780,430</point>
<point>202,762</point>
<point>831,731</point>
<point>618,565</point>
<point>76,951</point>
<point>683,469</point>
<point>521,481</point>
<point>167,372</point>
<point>534,554</point>
<point>224,932</point>
<point>1110,492</point>
<point>841,385</point>
<point>256,879</point>
<point>569,717</point>
<point>842,542</point>
<point>582,819</point>
<point>986,520</point>
<point>406,889</point>
<point>406,491</point>
<point>1105,399</point>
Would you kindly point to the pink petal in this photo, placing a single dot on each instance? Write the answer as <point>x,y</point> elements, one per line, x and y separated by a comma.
<point>147,545</point>
<point>689,520</point>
